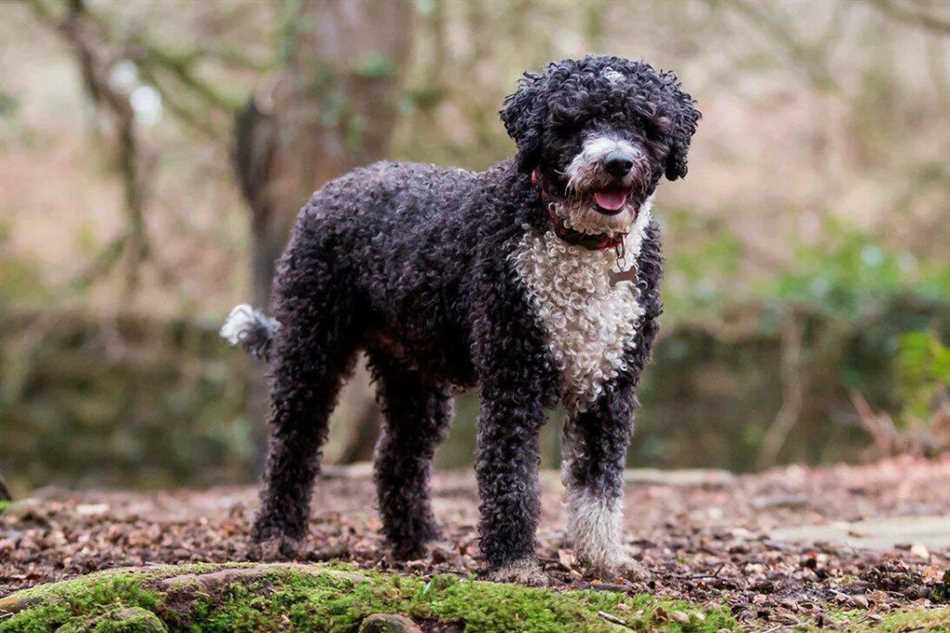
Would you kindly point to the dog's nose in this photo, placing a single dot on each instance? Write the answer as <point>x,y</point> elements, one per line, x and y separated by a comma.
<point>618,163</point>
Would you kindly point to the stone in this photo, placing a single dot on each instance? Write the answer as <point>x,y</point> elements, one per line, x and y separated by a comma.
<point>703,478</point>
<point>131,619</point>
<point>925,532</point>
<point>388,623</point>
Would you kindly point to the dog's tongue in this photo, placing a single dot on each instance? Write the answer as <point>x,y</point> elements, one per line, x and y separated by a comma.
<point>610,199</point>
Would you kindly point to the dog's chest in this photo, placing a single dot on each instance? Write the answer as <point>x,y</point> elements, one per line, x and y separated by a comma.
<point>589,322</point>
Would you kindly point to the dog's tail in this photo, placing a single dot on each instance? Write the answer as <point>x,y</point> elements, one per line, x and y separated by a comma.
<point>251,329</point>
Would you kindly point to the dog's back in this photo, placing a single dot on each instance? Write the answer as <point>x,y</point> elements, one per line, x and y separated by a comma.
<point>401,239</point>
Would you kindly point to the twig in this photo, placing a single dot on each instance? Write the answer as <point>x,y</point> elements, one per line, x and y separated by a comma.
<point>613,619</point>
<point>715,574</point>
<point>610,586</point>
<point>792,391</point>
<point>4,491</point>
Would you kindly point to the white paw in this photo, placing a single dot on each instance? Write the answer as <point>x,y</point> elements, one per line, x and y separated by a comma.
<point>616,566</point>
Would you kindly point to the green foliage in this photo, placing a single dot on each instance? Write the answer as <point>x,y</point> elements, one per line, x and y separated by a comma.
<point>121,402</point>
<point>852,274</point>
<point>8,104</point>
<point>923,369</point>
<point>374,65</point>
<point>20,279</point>
<point>703,273</point>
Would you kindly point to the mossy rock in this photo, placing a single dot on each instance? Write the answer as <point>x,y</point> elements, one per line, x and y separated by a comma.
<point>291,597</point>
<point>122,620</point>
<point>340,598</point>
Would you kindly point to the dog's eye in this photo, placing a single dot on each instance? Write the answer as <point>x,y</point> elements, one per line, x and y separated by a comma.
<point>657,128</point>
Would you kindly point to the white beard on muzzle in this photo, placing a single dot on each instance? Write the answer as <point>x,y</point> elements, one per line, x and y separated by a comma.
<point>581,216</point>
<point>578,210</point>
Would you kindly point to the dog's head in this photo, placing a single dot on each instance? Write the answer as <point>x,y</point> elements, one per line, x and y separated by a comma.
<point>600,132</point>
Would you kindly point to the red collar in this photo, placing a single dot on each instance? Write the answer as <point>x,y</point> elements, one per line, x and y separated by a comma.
<point>592,242</point>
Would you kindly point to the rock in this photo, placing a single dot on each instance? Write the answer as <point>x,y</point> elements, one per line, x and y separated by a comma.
<point>924,532</point>
<point>679,616</point>
<point>134,619</point>
<point>687,477</point>
<point>15,604</point>
<point>860,601</point>
<point>357,470</point>
<point>351,576</point>
<point>92,509</point>
<point>388,623</point>
<point>213,580</point>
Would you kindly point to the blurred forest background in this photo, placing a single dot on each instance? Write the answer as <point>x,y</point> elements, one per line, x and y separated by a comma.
<point>153,154</point>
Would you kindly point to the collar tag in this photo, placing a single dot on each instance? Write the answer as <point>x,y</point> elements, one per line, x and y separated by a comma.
<point>623,275</point>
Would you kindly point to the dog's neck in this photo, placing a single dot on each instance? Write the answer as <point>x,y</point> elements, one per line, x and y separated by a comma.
<point>593,242</point>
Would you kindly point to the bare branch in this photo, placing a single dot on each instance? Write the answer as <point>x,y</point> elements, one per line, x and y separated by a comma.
<point>811,56</point>
<point>792,391</point>
<point>913,17</point>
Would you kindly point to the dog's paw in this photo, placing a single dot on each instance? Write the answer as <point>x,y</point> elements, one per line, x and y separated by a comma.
<point>525,572</point>
<point>276,548</point>
<point>407,552</point>
<point>621,566</point>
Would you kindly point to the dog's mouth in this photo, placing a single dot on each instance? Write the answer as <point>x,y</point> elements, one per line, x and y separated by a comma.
<point>611,200</point>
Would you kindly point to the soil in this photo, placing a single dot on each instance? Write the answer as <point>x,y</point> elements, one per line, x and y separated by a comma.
<point>709,539</point>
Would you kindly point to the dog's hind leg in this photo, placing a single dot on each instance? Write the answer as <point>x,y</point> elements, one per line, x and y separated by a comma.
<point>312,353</point>
<point>417,417</point>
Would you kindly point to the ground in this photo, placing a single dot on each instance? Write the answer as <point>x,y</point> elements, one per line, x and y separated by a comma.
<point>789,547</point>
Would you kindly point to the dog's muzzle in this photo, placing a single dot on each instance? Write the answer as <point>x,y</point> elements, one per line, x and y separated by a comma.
<point>607,170</point>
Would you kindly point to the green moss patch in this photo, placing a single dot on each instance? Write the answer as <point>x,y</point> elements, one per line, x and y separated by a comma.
<point>284,597</point>
<point>902,621</point>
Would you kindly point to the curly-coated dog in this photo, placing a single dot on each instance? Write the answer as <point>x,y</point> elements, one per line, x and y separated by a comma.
<point>536,280</point>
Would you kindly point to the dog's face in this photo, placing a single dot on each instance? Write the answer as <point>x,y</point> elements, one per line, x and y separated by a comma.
<point>600,132</point>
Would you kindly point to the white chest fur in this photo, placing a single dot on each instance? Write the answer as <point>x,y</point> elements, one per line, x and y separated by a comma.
<point>589,322</point>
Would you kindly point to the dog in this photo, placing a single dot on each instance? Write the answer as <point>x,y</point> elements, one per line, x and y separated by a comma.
<point>536,280</point>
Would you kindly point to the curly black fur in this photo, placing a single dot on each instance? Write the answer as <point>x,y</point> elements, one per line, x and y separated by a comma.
<point>413,264</point>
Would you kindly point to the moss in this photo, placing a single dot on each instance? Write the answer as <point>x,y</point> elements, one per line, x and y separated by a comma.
<point>89,602</point>
<point>902,621</point>
<point>243,597</point>
<point>4,505</point>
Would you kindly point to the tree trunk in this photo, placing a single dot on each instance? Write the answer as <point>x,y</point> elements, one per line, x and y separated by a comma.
<point>332,107</point>
<point>4,491</point>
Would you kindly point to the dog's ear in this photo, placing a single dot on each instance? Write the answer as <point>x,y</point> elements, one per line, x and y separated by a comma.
<point>685,117</point>
<point>523,114</point>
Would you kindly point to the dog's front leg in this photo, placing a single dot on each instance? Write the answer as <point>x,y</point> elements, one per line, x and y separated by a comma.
<point>594,449</point>
<point>507,470</point>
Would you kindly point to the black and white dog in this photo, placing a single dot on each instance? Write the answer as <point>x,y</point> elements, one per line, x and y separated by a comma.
<point>536,280</point>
